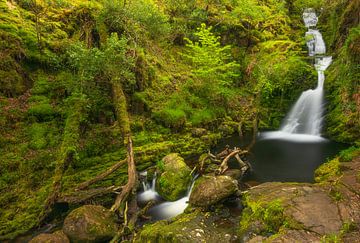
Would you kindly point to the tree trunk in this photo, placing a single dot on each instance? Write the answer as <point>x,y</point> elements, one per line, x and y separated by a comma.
<point>124,123</point>
<point>67,152</point>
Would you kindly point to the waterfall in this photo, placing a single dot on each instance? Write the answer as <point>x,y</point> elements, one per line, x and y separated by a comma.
<point>149,192</point>
<point>304,121</point>
<point>168,210</point>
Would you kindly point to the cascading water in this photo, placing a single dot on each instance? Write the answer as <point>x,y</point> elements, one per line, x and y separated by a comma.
<point>149,192</point>
<point>305,118</point>
<point>168,210</point>
<point>164,210</point>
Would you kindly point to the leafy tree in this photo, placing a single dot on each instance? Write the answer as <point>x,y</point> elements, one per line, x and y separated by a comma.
<point>211,61</point>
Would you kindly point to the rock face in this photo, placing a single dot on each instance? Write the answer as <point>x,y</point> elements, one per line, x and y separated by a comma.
<point>209,190</point>
<point>56,237</point>
<point>90,223</point>
<point>174,179</point>
<point>307,204</point>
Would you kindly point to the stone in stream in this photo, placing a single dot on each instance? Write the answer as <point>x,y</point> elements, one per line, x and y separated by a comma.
<point>90,223</point>
<point>56,237</point>
<point>174,179</point>
<point>209,190</point>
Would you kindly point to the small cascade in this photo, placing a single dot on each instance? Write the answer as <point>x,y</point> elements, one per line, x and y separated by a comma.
<point>306,116</point>
<point>168,210</point>
<point>149,192</point>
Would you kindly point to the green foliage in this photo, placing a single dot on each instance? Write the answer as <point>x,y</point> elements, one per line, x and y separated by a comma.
<point>136,18</point>
<point>115,51</point>
<point>300,5</point>
<point>212,62</point>
<point>348,154</point>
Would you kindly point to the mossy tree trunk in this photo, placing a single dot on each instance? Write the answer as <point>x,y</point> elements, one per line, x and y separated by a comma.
<point>124,124</point>
<point>68,152</point>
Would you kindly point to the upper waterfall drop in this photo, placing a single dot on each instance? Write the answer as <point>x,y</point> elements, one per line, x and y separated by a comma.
<point>304,121</point>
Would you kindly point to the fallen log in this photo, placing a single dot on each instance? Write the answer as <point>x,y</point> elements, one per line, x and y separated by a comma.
<point>82,196</point>
<point>236,152</point>
<point>101,176</point>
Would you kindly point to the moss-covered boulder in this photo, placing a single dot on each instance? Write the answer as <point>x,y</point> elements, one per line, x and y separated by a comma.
<point>175,177</point>
<point>56,237</point>
<point>209,190</point>
<point>90,223</point>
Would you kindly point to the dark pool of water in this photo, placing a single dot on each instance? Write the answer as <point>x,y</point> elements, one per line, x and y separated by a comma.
<point>284,160</point>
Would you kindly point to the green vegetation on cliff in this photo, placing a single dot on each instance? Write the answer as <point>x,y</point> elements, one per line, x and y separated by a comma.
<point>182,65</point>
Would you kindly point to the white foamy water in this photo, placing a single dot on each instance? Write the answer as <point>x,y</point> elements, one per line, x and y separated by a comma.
<point>149,192</point>
<point>310,18</point>
<point>304,138</point>
<point>167,210</point>
<point>306,116</point>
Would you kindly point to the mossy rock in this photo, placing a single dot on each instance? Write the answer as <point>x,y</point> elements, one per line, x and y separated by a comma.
<point>90,223</point>
<point>212,189</point>
<point>195,226</point>
<point>175,177</point>
<point>56,237</point>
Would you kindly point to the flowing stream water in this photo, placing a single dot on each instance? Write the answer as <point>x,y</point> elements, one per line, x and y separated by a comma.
<point>290,154</point>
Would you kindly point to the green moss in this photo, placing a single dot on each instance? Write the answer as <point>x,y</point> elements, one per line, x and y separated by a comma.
<point>38,136</point>
<point>173,118</point>
<point>42,112</point>
<point>174,179</point>
<point>163,232</point>
<point>268,214</point>
<point>328,171</point>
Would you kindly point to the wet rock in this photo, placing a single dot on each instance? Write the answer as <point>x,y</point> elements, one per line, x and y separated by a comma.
<point>195,226</point>
<point>56,237</point>
<point>175,177</point>
<point>307,204</point>
<point>90,223</point>
<point>209,190</point>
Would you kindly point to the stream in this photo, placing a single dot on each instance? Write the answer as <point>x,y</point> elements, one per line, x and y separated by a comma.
<point>290,154</point>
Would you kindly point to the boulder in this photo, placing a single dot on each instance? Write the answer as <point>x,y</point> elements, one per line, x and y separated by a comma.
<point>234,173</point>
<point>56,237</point>
<point>209,190</point>
<point>175,177</point>
<point>90,223</point>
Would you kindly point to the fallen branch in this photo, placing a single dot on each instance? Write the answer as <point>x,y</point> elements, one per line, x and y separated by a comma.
<point>101,176</point>
<point>82,196</point>
<point>236,152</point>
